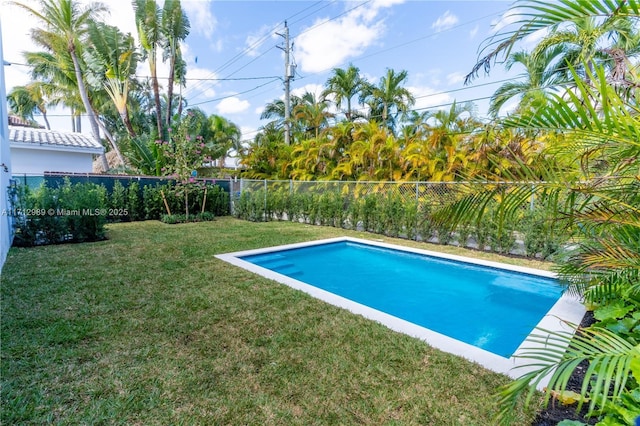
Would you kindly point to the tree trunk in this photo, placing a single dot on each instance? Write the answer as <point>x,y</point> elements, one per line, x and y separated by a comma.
<point>180,104</point>
<point>44,117</point>
<point>172,72</point>
<point>93,121</point>
<point>156,94</point>
<point>113,143</point>
<point>124,115</point>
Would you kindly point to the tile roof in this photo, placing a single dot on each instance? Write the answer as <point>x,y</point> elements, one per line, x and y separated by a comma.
<point>26,137</point>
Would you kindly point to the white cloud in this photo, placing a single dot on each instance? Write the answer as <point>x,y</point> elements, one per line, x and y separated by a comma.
<point>427,97</point>
<point>316,89</point>
<point>445,22</point>
<point>510,107</point>
<point>532,40</point>
<point>200,83</point>
<point>329,43</point>
<point>509,17</point>
<point>16,40</point>
<point>455,78</point>
<point>232,105</point>
<point>200,17</point>
<point>255,40</point>
<point>474,32</point>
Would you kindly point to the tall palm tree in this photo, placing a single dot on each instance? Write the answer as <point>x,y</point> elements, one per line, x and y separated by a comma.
<point>64,25</point>
<point>344,85</point>
<point>56,75</point>
<point>389,98</point>
<point>148,22</point>
<point>175,29</point>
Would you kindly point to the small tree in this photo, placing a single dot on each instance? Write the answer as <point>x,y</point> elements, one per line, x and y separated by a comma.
<point>184,152</point>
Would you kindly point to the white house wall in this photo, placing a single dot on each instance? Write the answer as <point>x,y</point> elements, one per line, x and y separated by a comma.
<point>5,168</point>
<point>36,162</point>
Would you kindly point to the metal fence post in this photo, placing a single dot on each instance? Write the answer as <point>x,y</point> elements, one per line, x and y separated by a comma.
<point>231,188</point>
<point>265,200</point>
<point>531,203</point>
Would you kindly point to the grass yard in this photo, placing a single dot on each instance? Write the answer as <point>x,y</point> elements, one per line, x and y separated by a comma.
<point>149,328</point>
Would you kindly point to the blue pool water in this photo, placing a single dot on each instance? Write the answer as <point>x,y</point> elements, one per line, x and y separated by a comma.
<point>489,308</point>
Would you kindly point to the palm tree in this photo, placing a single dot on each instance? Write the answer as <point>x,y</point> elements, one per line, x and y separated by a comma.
<point>174,28</point>
<point>539,79</point>
<point>56,75</point>
<point>389,99</point>
<point>64,24</point>
<point>267,155</point>
<point>25,100</point>
<point>598,123</point>
<point>600,130</point>
<point>311,114</point>
<point>148,22</point>
<point>225,136</point>
<point>584,41</point>
<point>112,60</point>
<point>579,28</point>
<point>344,85</point>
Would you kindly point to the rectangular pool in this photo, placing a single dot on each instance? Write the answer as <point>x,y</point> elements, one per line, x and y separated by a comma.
<point>477,309</point>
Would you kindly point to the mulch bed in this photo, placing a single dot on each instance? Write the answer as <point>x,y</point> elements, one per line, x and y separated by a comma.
<point>556,412</point>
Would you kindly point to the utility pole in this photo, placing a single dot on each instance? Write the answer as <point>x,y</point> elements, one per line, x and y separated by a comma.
<point>289,71</point>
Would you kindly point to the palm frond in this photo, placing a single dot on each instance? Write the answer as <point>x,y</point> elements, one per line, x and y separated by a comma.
<point>557,354</point>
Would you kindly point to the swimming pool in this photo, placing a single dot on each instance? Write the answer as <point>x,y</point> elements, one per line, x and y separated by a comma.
<point>480,310</point>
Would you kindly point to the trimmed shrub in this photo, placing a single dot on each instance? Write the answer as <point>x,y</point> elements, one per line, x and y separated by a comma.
<point>66,214</point>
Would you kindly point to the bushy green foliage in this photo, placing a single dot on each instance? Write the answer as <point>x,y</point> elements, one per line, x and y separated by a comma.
<point>382,213</point>
<point>68,213</point>
<point>78,212</point>
<point>215,199</point>
<point>153,205</point>
<point>542,235</point>
<point>410,219</point>
<point>391,215</point>
<point>134,202</point>
<point>250,206</point>
<point>173,219</point>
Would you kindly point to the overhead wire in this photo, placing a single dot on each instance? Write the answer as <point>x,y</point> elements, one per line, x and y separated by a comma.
<point>250,48</point>
<point>267,35</point>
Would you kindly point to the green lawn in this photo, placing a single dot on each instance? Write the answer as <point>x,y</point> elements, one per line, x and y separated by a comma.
<point>149,328</point>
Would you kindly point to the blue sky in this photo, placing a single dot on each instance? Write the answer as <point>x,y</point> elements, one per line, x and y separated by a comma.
<point>235,66</point>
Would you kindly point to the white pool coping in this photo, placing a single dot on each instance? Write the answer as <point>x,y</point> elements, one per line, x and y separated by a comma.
<point>567,309</point>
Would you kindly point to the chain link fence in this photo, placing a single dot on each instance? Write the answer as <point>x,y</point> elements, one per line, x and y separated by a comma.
<point>431,194</point>
<point>406,210</point>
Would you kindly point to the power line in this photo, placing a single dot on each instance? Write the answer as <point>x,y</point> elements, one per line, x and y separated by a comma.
<point>266,36</point>
<point>434,34</point>
<point>216,79</point>
<point>235,94</point>
<point>248,49</point>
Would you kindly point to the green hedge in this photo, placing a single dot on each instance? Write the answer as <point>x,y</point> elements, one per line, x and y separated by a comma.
<point>68,213</point>
<point>79,212</point>
<point>389,214</point>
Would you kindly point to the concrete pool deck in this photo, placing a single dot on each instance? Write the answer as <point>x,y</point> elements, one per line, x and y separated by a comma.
<point>567,309</point>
